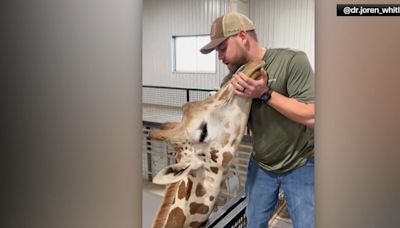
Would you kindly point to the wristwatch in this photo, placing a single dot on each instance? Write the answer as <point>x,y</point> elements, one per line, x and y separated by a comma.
<point>266,96</point>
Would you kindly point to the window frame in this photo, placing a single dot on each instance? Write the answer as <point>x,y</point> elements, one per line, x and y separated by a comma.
<point>174,56</point>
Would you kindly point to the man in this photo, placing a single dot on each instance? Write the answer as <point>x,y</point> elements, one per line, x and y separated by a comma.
<point>281,120</point>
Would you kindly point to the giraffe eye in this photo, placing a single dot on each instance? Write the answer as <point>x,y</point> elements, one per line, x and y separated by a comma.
<point>204,133</point>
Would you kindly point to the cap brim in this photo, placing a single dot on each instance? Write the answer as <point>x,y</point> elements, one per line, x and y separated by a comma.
<point>212,45</point>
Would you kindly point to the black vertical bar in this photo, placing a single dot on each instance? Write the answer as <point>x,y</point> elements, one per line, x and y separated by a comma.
<point>149,158</point>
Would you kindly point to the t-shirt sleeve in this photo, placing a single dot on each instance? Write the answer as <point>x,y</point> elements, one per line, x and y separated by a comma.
<point>300,84</point>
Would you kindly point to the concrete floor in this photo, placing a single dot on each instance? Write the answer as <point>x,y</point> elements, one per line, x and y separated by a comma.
<point>151,195</point>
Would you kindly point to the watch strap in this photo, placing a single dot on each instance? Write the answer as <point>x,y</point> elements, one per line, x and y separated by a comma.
<point>266,96</point>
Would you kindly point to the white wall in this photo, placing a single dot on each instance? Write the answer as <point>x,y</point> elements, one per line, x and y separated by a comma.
<point>162,20</point>
<point>285,23</point>
<point>279,23</point>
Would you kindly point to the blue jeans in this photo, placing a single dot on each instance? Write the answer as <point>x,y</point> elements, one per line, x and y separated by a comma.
<point>262,188</point>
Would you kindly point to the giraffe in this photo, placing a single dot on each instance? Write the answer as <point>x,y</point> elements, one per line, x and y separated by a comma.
<point>205,142</point>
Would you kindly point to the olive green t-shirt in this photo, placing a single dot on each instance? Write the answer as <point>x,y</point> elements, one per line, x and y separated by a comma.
<point>280,144</point>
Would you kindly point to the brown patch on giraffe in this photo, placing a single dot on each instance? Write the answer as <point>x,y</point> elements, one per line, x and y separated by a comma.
<point>181,190</point>
<point>214,155</point>
<point>225,139</point>
<point>197,224</point>
<point>198,208</point>
<point>168,200</point>
<point>176,218</point>
<point>188,188</point>
<point>226,158</point>
<point>200,190</point>
<point>212,198</point>
<point>214,169</point>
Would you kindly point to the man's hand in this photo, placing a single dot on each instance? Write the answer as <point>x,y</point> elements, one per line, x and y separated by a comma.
<point>250,88</point>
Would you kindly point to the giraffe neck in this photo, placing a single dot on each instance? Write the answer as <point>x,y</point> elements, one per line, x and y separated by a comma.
<point>189,202</point>
<point>163,210</point>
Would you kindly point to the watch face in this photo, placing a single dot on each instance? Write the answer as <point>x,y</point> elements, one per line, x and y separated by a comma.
<point>265,97</point>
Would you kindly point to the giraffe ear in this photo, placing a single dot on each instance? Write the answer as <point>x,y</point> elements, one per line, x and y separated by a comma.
<point>172,173</point>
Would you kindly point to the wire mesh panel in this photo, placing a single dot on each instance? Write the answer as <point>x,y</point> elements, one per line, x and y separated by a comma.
<point>163,104</point>
<point>196,95</point>
<point>174,97</point>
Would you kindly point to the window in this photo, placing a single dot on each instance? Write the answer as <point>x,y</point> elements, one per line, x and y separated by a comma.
<point>188,58</point>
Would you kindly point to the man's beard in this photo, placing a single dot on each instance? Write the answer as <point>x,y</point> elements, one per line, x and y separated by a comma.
<point>233,67</point>
<point>242,58</point>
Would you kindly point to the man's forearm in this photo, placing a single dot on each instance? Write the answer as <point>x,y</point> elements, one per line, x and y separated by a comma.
<point>291,108</point>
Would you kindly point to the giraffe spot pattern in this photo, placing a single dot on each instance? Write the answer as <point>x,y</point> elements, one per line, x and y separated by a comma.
<point>226,158</point>
<point>197,224</point>
<point>214,155</point>
<point>212,198</point>
<point>214,169</point>
<point>188,189</point>
<point>198,208</point>
<point>200,190</point>
<point>181,190</point>
<point>176,218</point>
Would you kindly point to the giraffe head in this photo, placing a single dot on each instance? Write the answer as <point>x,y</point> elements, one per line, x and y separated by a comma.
<point>209,133</point>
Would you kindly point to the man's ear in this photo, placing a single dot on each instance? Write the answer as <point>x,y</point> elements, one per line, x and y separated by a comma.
<point>243,36</point>
<point>172,173</point>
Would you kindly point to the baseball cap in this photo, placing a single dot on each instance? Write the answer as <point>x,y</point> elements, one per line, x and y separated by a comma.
<point>225,26</point>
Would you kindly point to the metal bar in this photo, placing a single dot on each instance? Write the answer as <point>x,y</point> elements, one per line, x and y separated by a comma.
<point>167,87</point>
